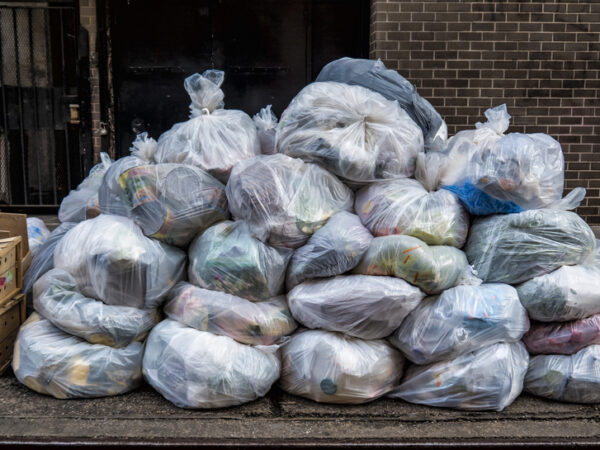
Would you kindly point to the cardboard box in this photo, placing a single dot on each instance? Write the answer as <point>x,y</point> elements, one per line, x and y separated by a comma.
<point>12,315</point>
<point>12,225</point>
<point>11,274</point>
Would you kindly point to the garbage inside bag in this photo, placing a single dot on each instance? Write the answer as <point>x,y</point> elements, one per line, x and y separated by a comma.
<point>563,338</point>
<point>574,378</point>
<point>266,127</point>
<point>405,207</point>
<point>332,250</point>
<point>570,292</point>
<point>514,248</point>
<point>82,203</point>
<point>214,139</point>
<point>196,369</point>
<point>284,199</point>
<point>334,368</point>
<point>37,233</point>
<point>357,305</point>
<point>228,258</point>
<point>170,202</point>
<point>490,378</point>
<point>373,75</point>
<point>460,320</point>
<point>433,268</point>
<point>111,260</point>
<point>43,260</point>
<point>260,323</point>
<point>55,363</point>
<point>56,298</point>
<point>351,131</point>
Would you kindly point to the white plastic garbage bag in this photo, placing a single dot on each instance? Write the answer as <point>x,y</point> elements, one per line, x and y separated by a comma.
<point>564,338</point>
<point>358,305</point>
<point>460,320</point>
<point>214,139</point>
<point>253,323</point>
<point>56,298</point>
<point>111,260</point>
<point>197,369</point>
<point>405,207</point>
<point>573,378</point>
<point>490,378</point>
<point>37,233</point>
<point>266,126</point>
<point>332,250</point>
<point>513,248</point>
<point>55,363</point>
<point>284,199</point>
<point>351,131</point>
<point>334,368</point>
<point>228,258</point>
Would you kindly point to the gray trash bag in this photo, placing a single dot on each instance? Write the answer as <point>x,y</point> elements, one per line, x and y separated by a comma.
<point>393,86</point>
<point>266,127</point>
<point>228,258</point>
<point>568,293</point>
<point>214,139</point>
<point>332,250</point>
<point>112,261</point>
<point>460,320</point>
<point>563,338</point>
<point>43,260</point>
<point>567,378</point>
<point>52,362</point>
<point>331,367</point>
<point>513,248</point>
<point>197,369</point>
<point>490,378</point>
<point>56,298</point>
<point>252,323</point>
<point>82,203</point>
<point>405,207</point>
<point>357,305</point>
<point>351,131</point>
<point>432,268</point>
<point>284,199</point>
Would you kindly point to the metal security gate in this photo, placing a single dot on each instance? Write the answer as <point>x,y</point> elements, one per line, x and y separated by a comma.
<point>45,142</point>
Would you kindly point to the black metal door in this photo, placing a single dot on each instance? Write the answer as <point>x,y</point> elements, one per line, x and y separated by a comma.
<point>269,50</point>
<point>45,144</point>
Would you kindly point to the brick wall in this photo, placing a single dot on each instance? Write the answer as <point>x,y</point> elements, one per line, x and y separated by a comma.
<point>539,57</point>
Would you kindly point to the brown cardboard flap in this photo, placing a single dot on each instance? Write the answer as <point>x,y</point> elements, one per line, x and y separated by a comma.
<point>15,225</point>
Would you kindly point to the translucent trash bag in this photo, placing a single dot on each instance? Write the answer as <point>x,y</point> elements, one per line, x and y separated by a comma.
<point>564,338</point>
<point>37,233</point>
<point>197,369</point>
<point>228,258</point>
<point>56,298</point>
<point>253,323</point>
<point>432,268</point>
<point>214,139</point>
<point>332,250</point>
<point>284,199</point>
<point>567,378</point>
<point>358,305</point>
<point>568,293</point>
<point>460,320</point>
<point>82,203</point>
<point>405,207</point>
<point>351,131</point>
<point>516,247</point>
<point>111,260</point>
<point>373,75</point>
<point>490,378</point>
<point>266,127</point>
<point>52,362</point>
<point>331,367</point>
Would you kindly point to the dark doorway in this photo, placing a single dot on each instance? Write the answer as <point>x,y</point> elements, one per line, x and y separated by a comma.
<point>45,140</point>
<point>269,50</point>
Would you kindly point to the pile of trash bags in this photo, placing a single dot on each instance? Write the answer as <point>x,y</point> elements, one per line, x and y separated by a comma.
<point>346,252</point>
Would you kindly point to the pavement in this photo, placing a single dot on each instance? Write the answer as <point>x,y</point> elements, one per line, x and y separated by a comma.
<point>144,418</point>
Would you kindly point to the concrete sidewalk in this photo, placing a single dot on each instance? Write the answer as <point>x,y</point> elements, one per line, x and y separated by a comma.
<point>145,418</point>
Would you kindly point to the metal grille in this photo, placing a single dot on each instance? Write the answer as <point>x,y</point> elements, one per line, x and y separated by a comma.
<point>39,147</point>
